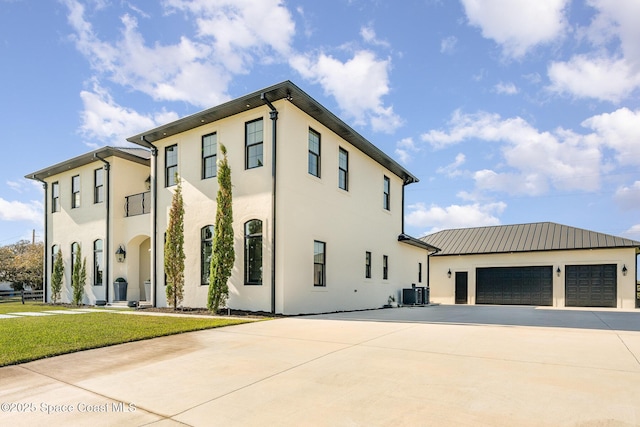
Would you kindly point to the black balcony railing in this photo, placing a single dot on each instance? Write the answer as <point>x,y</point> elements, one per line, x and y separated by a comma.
<point>137,204</point>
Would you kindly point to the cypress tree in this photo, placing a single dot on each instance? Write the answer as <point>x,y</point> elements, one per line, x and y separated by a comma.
<point>174,249</point>
<point>56,277</point>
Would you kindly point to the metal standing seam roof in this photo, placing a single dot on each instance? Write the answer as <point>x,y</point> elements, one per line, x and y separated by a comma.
<point>285,90</point>
<point>137,155</point>
<point>542,236</point>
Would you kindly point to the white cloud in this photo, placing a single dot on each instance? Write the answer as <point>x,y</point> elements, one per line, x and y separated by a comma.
<point>629,197</point>
<point>633,232</point>
<point>448,44</point>
<point>611,71</point>
<point>405,149</point>
<point>20,211</point>
<point>518,25</point>
<point>506,88</point>
<point>437,218</point>
<point>358,85</point>
<point>620,131</point>
<point>537,160</point>
<point>368,34</point>
<point>104,121</point>
<point>452,168</point>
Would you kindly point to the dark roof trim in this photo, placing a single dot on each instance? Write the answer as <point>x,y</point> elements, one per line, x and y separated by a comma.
<point>136,155</point>
<point>535,237</point>
<point>285,90</point>
<point>405,238</point>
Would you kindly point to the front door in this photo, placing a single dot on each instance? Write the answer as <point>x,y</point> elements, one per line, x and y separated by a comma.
<point>461,287</point>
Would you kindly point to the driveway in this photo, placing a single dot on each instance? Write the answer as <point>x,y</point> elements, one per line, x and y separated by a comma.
<point>442,365</point>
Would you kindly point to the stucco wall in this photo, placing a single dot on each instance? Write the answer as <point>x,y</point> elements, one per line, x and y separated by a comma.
<point>443,288</point>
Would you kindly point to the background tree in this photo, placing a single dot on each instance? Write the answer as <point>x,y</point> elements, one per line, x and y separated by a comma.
<point>21,264</point>
<point>78,277</point>
<point>174,249</point>
<point>223,254</point>
<point>56,277</point>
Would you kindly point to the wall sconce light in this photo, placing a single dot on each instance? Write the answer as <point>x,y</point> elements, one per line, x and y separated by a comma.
<point>449,274</point>
<point>558,271</point>
<point>624,270</point>
<point>121,254</point>
<point>147,183</point>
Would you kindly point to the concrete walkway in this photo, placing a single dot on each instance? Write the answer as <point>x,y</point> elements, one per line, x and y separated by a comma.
<point>427,366</point>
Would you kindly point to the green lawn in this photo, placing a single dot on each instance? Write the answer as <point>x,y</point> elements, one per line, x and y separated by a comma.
<point>30,338</point>
<point>15,307</point>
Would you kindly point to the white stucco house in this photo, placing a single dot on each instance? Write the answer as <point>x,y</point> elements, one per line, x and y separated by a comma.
<point>541,264</point>
<point>317,210</point>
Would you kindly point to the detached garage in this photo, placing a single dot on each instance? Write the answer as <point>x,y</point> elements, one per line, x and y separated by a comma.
<point>540,264</point>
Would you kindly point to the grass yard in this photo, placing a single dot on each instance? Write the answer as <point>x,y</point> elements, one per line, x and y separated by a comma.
<point>30,338</point>
<point>15,307</point>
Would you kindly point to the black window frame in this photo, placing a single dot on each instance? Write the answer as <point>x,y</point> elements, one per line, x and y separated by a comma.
<point>98,185</point>
<point>343,171</point>
<point>98,259</point>
<point>367,265</point>
<point>55,248</point>
<point>385,267</point>
<point>75,246</point>
<point>55,197</point>
<point>386,193</point>
<point>254,144</point>
<point>170,169</point>
<point>319,264</point>
<point>252,239</point>
<point>206,251</point>
<point>75,191</point>
<point>209,159</point>
<point>314,157</point>
<point>419,272</point>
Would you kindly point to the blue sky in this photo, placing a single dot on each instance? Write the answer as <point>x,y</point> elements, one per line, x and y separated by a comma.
<point>508,111</point>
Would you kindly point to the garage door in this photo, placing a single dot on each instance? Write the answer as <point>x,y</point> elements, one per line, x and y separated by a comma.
<point>514,285</point>
<point>591,285</point>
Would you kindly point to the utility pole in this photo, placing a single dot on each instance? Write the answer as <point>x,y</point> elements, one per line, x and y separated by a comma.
<point>33,237</point>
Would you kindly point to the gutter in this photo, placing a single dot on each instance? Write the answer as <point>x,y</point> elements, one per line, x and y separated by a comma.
<point>46,240</point>
<point>273,115</point>
<point>107,251</point>
<point>154,196</point>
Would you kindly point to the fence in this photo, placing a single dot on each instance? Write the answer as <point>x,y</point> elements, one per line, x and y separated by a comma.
<point>15,296</point>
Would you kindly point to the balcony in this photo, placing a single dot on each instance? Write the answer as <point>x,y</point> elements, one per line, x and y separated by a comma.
<point>137,204</point>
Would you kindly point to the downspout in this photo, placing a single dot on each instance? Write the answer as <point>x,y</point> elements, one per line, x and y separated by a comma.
<point>273,115</point>
<point>154,196</point>
<point>107,251</point>
<point>46,241</point>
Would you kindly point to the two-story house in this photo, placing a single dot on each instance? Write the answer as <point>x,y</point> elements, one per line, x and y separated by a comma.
<point>317,209</point>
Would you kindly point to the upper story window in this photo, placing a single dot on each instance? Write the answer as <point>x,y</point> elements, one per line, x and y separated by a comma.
<point>343,169</point>
<point>419,272</point>
<point>98,185</point>
<point>253,143</point>
<point>170,165</point>
<point>367,265</point>
<point>319,264</point>
<point>55,197</point>
<point>386,196</point>
<point>75,191</point>
<point>206,249</point>
<point>209,155</point>
<point>385,267</point>
<point>253,252</point>
<point>314,153</point>
<point>97,263</point>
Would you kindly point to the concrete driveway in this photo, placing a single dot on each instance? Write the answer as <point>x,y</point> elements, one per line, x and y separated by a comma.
<point>440,366</point>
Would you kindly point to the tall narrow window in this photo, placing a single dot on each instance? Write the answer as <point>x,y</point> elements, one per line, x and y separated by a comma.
<point>319,273</point>
<point>206,248</point>
<point>97,263</point>
<point>75,248</point>
<point>314,153</point>
<point>75,191</point>
<point>386,197</point>
<point>209,153</point>
<point>253,144</point>
<point>55,197</point>
<point>385,267</point>
<point>419,272</point>
<point>170,165</point>
<point>54,253</point>
<point>253,252</point>
<point>367,265</point>
<point>343,169</point>
<point>98,185</point>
